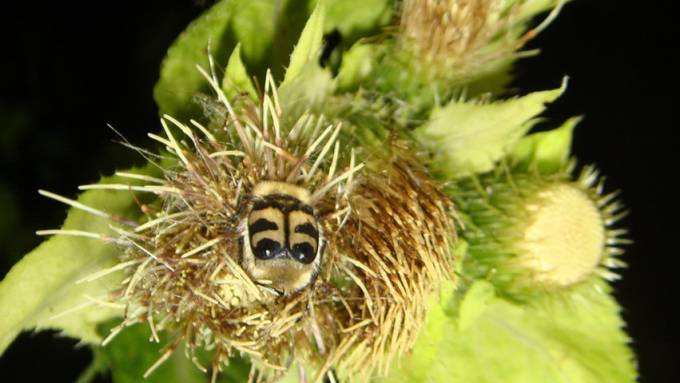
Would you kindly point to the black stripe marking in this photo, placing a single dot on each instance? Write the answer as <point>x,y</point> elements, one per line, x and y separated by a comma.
<point>264,204</point>
<point>282,202</point>
<point>262,225</point>
<point>307,228</point>
<point>303,208</point>
<point>286,229</point>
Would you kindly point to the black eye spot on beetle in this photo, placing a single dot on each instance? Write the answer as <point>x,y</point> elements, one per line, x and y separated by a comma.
<point>303,253</point>
<point>267,249</point>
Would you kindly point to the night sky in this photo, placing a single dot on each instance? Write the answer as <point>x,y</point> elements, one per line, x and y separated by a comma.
<point>69,68</point>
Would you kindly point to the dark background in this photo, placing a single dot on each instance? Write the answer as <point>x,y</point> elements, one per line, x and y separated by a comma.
<point>68,68</point>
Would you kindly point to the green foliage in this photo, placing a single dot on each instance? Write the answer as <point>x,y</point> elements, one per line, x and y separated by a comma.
<point>354,18</point>
<point>306,85</point>
<point>266,32</point>
<point>470,137</point>
<point>130,355</point>
<point>236,79</point>
<point>406,70</point>
<point>307,92</point>
<point>308,47</point>
<point>427,352</point>
<point>547,152</point>
<point>489,340</point>
<point>42,291</point>
<point>357,65</point>
<point>179,80</point>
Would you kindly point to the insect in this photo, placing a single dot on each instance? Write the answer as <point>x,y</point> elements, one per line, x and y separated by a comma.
<point>282,243</point>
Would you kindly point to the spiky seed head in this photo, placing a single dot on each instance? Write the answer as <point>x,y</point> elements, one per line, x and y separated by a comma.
<point>387,230</point>
<point>397,250</point>
<point>461,39</point>
<point>447,29</point>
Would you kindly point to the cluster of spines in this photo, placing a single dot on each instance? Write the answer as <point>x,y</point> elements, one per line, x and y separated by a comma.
<point>183,261</point>
<point>460,37</point>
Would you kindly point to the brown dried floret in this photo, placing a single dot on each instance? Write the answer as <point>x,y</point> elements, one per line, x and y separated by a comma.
<point>461,36</point>
<point>397,250</point>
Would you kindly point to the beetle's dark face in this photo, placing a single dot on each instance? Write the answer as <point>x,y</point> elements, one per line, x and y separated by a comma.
<point>282,244</point>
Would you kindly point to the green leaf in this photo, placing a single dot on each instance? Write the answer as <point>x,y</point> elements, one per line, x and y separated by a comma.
<point>353,18</point>
<point>236,79</point>
<point>253,27</point>
<point>416,367</point>
<point>468,137</point>
<point>306,84</point>
<point>265,29</point>
<point>308,47</point>
<point>548,152</point>
<point>357,65</point>
<point>179,80</point>
<point>131,353</point>
<point>237,371</point>
<point>268,30</point>
<point>496,80</point>
<point>97,367</point>
<point>307,91</point>
<point>475,302</point>
<point>564,339</point>
<point>41,292</point>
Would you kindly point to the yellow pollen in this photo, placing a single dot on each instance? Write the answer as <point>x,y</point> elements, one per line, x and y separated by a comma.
<point>565,239</point>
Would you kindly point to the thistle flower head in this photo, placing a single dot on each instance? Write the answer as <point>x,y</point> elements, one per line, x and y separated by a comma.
<point>448,29</point>
<point>536,233</point>
<point>384,234</point>
<point>565,238</point>
<point>452,39</point>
